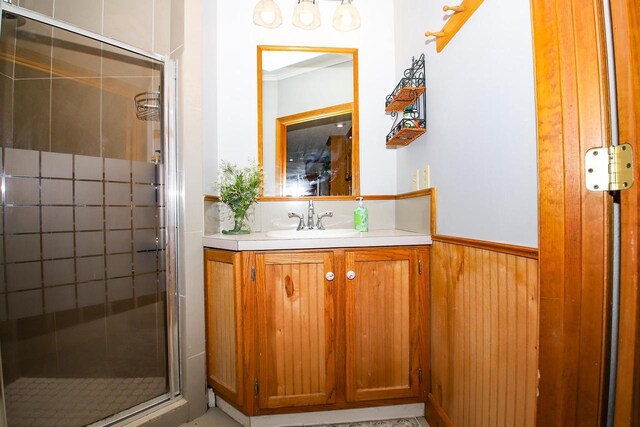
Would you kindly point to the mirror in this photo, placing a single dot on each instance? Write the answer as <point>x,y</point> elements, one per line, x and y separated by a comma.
<point>308,121</point>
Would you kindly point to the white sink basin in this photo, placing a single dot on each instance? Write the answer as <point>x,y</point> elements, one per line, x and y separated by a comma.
<point>312,234</point>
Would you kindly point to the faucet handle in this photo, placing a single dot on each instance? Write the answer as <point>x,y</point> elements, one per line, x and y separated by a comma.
<point>300,217</point>
<point>319,224</point>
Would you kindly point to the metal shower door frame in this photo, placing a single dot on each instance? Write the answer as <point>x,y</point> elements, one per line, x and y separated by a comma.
<point>172,196</point>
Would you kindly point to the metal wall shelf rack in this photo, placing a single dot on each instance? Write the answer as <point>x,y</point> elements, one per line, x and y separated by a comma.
<point>407,105</point>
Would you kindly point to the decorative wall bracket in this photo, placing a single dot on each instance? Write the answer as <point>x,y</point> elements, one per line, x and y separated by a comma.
<point>461,13</point>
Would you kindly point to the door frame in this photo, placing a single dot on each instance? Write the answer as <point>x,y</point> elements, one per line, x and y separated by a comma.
<point>574,225</point>
<point>626,38</point>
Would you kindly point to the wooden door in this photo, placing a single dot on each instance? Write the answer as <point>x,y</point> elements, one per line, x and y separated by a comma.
<point>223,323</point>
<point>340,147</point>
<point>296,332</point>
<point>572,86</point>
<point>382,338</point>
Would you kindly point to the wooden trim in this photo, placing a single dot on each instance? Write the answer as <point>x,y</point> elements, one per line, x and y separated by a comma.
<point>434,211</point>
<point>626,33</point>
<point>260,116</point>
<point>521,251</point>
<point>413,194</point>
<point>436,416</point>
<point>278,48</point>
<point>355,129</point>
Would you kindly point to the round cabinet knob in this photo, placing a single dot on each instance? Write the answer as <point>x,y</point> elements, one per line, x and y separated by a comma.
<point>351,274</point>
<point>329,276</point>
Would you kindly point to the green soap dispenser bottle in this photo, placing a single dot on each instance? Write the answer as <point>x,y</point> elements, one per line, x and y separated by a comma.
<point>361,217</point>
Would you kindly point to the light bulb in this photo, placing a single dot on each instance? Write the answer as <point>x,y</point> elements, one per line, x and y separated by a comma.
<point>268,16</point>
<point>347,19</point>
<point>306,17</point>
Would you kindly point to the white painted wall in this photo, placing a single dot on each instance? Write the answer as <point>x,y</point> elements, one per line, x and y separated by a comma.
<point>481,121</point>
<point>316,89</point>
<point>209,97</point>
<point>237,37</point>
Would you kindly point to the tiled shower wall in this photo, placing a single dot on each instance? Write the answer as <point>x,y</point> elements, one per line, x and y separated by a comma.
<point>41,67</point>
<point>81,266</point>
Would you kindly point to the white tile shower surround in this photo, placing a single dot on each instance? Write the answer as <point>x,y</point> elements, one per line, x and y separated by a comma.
<point>215,417</point>
<point>73,402</point>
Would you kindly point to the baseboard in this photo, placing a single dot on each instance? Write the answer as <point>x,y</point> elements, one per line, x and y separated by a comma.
<point>324,417</point>
<point>436,415</point>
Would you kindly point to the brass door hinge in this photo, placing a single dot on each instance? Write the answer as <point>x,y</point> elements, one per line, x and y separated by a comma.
<point>256,387</point>
<point>420,267</point>
<point>253,273</point>
<point>609,168</point>
<point>420,375</point>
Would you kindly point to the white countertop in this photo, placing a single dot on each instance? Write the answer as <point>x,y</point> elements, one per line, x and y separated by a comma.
<point>259,241</point>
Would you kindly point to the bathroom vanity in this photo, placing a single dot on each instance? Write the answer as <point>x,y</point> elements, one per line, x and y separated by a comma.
<point>298,324</point>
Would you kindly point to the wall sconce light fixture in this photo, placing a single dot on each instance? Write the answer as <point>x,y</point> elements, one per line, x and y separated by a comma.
<point>267,14</point>
<point>306,15</point>
<point>347,17</point>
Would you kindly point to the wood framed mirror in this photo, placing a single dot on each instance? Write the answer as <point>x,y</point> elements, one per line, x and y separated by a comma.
<point>308,121</point>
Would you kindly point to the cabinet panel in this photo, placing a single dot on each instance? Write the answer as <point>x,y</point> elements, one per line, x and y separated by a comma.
<point>296,312</point>
<point>223,325</point>
<point>382,340</point>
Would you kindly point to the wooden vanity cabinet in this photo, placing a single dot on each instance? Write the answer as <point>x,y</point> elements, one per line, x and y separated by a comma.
<point>223,327</point>
<point>296,333</point>
<point>323,329</point>
<point>383,324</point>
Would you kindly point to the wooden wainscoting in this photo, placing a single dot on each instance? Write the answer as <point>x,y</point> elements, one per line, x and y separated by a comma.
<point>484,334</point>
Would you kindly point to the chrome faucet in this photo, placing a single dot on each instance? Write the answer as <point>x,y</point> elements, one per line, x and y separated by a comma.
<point>310,213</point>
<point>319,224</point>
<point>300,217</point>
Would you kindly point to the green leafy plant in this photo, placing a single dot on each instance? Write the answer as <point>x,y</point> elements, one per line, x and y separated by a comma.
<point>239,188</point>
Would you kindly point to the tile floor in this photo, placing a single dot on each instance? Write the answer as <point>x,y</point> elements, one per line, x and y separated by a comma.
<point>77,401</point>
<point>216,418</point>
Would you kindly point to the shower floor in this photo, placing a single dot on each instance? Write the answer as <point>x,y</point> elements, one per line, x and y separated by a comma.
<point>74,402</point>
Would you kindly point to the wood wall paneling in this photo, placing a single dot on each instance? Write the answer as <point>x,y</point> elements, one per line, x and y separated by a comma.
<point>484,320</point>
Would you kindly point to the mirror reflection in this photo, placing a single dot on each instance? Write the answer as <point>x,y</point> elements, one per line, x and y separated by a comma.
<point>308,111</point>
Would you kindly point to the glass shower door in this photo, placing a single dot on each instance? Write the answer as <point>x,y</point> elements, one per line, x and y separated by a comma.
<point>83,290</point>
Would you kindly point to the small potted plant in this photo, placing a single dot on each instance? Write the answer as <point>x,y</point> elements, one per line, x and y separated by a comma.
<point>239,189</point>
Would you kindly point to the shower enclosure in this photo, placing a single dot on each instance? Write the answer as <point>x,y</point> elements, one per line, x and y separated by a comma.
<point>88,329</point>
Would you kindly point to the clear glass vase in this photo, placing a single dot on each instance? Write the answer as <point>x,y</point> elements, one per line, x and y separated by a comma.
<point>238,224</point>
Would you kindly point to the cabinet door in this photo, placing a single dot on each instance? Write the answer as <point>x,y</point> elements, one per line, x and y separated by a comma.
<point>383,338</point>
<point>223,323</point>
<point>296,311</point>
